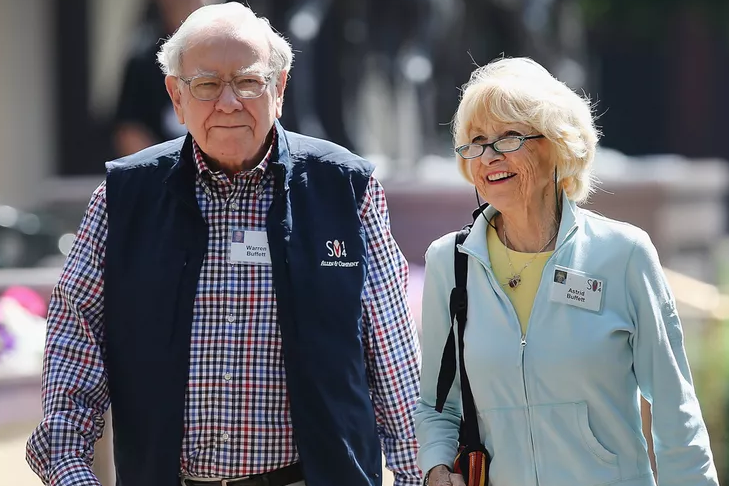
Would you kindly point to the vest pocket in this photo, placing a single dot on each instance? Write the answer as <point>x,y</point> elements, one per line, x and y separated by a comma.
<point>151,311</point>
<point>567,450</point>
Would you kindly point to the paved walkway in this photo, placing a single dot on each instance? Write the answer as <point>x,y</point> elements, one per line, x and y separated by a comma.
<point>12,455</point>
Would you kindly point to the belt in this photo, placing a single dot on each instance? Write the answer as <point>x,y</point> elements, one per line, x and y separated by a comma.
<point>280,477</point>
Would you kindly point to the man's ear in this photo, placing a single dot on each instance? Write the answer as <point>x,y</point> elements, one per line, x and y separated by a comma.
<point>280,88</point>
<point>172,83</point>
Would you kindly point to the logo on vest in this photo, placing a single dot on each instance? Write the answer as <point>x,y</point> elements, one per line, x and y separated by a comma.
<point>337,249</point>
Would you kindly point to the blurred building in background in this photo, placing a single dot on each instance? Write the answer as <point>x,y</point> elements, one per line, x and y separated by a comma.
<point>379,77</point>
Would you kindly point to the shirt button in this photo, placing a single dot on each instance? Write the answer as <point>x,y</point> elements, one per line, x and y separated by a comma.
<point>231,318</point>
<point>228,376</point>
<point>259,190</point>
<point>234,206</point>
<point>224,437</point>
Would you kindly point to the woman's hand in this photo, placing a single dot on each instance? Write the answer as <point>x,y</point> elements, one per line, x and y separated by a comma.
<point>441,476</point>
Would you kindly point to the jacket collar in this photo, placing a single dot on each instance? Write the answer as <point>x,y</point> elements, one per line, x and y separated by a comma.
<point>281,164</point>
<point>180,178</point>
<point>476,243</point>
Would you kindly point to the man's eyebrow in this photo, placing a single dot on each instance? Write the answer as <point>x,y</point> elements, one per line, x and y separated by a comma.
<point>248,70</point>
<point>200,72</point>
<point>240,72</point>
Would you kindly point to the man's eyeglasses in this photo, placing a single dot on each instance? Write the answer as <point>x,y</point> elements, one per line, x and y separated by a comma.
<point>504,145</point>
<point>205,87</point>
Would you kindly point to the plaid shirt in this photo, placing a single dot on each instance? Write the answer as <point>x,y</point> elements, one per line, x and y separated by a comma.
<point>237,420</point>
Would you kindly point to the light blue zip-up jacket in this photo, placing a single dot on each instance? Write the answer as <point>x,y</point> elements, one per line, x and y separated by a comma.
<point>560,405</point>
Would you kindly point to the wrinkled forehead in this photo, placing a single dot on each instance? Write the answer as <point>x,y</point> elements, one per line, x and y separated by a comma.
<point>226,52</point>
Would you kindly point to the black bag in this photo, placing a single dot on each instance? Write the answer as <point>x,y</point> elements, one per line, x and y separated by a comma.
<point>472,460</point>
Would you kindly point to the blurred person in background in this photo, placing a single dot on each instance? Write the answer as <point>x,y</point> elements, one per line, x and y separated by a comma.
<point>556,365</point>
<point>290,360</point>
<point>144,114</point>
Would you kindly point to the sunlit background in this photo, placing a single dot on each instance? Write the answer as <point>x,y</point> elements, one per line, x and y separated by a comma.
<point>381,77</point>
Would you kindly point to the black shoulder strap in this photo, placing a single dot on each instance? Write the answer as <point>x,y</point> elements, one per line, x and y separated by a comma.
<point>469,433</point>
<point>458,307</point>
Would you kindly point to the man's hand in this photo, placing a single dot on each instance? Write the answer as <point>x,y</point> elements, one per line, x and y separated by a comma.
<point>441,476</point>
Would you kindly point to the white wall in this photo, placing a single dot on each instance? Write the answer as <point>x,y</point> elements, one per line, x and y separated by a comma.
<point>27,135</point>
<point>112,26</point>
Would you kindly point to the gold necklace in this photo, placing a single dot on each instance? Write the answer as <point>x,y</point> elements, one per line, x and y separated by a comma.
<point>515,279</point>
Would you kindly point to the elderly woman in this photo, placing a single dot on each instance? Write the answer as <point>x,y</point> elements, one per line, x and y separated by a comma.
<point>570,317</point>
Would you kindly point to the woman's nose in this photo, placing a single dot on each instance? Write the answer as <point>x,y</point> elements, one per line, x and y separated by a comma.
<point>489,156</point>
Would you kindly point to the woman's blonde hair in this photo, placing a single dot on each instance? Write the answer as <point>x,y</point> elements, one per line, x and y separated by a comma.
<point>519,90</point>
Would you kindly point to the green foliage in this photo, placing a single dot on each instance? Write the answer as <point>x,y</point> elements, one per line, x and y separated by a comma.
<point>707,351</point>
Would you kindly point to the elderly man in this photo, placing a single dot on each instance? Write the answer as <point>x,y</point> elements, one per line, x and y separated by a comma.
<point>288,362</point>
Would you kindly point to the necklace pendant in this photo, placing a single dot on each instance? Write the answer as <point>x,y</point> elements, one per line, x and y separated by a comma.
<point>514,281</point>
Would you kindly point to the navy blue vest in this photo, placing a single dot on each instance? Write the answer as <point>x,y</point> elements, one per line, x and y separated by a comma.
<point>157,239</point>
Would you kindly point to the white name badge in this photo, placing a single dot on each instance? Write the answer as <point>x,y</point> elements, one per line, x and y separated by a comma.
<point>578,289</point>
<point>249,247</point>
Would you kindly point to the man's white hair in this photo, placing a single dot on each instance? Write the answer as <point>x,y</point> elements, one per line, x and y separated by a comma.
<point>233,17</point>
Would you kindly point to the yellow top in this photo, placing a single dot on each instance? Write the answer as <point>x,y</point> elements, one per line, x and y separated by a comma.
<point>521,297</point>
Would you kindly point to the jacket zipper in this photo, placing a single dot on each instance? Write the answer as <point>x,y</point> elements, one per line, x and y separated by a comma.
<point>523,341</point>
<point>522,346</point>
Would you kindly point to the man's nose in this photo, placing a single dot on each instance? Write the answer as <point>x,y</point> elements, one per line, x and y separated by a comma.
<point>228,102</point>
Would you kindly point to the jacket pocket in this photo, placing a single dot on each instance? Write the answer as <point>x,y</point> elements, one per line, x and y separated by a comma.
<point>567,450</point>
<point>589,438</point>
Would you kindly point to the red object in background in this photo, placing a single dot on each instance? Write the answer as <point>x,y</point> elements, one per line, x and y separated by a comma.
<point>28,298</point>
